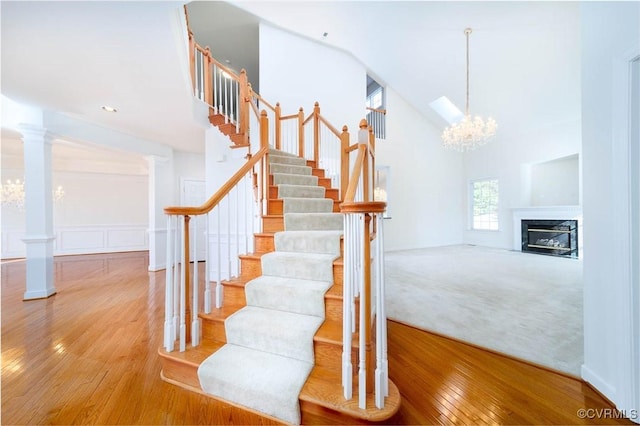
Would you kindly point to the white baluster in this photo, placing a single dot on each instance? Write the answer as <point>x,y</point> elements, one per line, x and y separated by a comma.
<point>183,285</point>
<point>380,384</point>
<point>347,325</point>
<point>207,277</point>
<point>176,277</point>
<point>237,216</point>
<point>229,260</point>
<point>383,307</point>
<point>195,321</point>
<point>219,289</point>
<point>364,322</point>
<point>169,332</point>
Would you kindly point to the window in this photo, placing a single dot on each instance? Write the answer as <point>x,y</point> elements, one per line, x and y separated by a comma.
<point>484,195</point>
<point>374,100</point>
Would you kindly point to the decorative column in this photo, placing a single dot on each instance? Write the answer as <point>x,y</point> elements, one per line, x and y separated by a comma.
<point>161,195</point>
<point>39,234</point>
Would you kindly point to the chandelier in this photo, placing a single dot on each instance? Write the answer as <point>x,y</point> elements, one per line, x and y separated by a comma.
<point>468,133</point>
<point>13,194</point>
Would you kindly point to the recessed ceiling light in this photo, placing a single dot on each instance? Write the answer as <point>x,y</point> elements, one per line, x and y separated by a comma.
<point>109,108</point>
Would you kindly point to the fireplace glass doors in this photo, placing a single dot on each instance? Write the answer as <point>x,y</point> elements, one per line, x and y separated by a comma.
<point>551,237</point>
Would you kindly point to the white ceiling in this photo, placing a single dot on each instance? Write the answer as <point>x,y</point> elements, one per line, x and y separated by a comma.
<point>75,56</point>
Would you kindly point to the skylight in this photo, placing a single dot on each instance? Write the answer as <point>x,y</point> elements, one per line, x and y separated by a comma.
<point>447,110</point>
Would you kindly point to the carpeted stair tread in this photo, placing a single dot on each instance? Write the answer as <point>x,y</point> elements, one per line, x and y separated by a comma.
<point>259,380</point>
<point>307,205</point>
<point>313,221</point>
<point>274,331</point>
<point>327,242</point>
<point>306,266</point>
<point>277,152</point>
<point>288,294</point>
<point>287,159</point>
<point>270,341</point>
<point>290,169</point>
<point>300,191</point>
<point>294,179</point>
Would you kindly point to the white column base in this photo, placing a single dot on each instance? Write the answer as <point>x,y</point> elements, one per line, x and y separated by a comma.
<point>40,272</point>
<point>157,249</point>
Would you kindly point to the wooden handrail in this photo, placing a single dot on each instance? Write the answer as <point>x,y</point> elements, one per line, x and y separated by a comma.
<point>381,111</point>
<point>262,101</point>
<point>288,117</point>
<point>329,126</point>
<point>221,193</point>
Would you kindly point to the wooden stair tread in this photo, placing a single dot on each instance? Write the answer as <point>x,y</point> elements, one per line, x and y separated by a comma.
<point>220,314</point>
<point>329,332</point>
<point>240,145</point>
<point>324,388</point>
<point>193,356</point>
<point>255,255</point>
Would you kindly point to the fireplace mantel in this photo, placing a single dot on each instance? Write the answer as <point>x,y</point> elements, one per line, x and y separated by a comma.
<point>545,212</point>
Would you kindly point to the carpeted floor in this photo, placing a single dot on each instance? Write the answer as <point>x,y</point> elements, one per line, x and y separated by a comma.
<point>525,305</point>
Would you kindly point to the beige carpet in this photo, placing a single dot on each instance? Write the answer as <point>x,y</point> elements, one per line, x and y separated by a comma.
<point>525,305</point>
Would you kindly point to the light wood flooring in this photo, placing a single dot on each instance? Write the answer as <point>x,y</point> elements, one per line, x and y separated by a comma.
<point>89,355</point>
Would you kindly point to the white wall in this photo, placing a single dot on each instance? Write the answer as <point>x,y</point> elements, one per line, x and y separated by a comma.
<point>425,180</point>
<point>611,36</point>
<point>100,213</point>
<point>297,72</point>
<point>556,182</point>
<point>510,160</point>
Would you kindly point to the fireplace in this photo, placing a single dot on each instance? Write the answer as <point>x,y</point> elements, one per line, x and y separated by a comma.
<point>550,237</point>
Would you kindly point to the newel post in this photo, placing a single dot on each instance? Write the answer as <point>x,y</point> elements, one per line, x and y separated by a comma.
<point>278,129</point>
<point>363,139</point>
<point>344,161</point>
<point>316,133</point>
<point>245,98</point>
<point>301,132</point>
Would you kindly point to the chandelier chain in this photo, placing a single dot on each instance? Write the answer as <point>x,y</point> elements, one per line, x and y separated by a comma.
<point>468,133</point>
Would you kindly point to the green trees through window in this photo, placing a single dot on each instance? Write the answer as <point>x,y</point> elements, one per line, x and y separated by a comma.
<point>485,204</point>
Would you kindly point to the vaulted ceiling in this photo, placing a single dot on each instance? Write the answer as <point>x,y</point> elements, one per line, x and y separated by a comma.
<point>74,57</point>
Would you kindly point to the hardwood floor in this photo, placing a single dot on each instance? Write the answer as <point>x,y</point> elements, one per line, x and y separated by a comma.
<point>88,355</point>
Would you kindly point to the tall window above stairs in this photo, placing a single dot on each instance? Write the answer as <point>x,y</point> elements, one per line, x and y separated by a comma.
<point>375,107</point>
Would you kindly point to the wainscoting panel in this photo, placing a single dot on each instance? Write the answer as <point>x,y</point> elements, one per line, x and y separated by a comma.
<point>83,240</point>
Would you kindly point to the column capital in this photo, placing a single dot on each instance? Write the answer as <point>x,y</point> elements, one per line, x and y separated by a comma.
<point>32,133</point>
<point>156,159</point>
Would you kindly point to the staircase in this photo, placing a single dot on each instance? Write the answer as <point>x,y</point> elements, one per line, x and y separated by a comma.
<point>229,129</point>
<point>279,332</point>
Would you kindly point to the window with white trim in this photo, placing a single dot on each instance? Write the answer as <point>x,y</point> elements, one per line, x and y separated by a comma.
<point>484,204</point>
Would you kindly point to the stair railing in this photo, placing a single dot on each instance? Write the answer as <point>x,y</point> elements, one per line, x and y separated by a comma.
<point>362,283</point>
<point>233,212</point>
<point>215,84</point>
<point>315,139</point>
<point>377,122</point>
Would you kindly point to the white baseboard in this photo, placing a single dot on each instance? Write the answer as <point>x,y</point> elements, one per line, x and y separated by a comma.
<point>597,382</point>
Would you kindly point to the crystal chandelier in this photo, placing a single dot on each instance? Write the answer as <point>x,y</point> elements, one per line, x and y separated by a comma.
<point>470,132</point>
<point>13,194</point>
